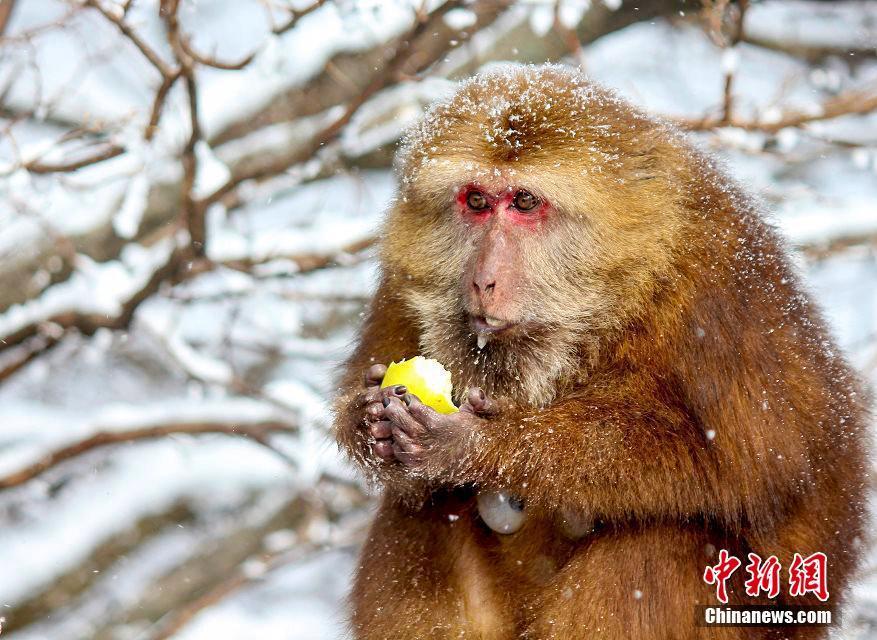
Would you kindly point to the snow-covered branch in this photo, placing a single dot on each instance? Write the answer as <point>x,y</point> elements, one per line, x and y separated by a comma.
<point>850,103</point>
<point>258,432</point>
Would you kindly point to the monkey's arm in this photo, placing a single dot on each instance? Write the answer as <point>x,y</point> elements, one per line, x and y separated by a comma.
<point>620,449</point>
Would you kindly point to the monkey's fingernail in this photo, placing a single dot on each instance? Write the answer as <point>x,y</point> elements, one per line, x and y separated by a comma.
<point>386,402</point>
<point>407,399</point>
<point>400,390</point>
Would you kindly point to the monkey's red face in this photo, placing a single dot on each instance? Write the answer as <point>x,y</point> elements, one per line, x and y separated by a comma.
<point>479,204</point>
<point>498,221</point>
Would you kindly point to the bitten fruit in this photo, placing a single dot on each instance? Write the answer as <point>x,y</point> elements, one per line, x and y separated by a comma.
<point>425,378</point>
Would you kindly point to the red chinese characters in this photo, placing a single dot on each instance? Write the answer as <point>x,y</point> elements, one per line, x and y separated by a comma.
<point>808,575</point>
<point>719,574</point>
<point>763,576</point>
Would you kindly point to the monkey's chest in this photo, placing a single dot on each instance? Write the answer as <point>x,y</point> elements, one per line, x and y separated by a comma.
<point>508,530</point>
<point>505,514</point>
<point>523,547</point>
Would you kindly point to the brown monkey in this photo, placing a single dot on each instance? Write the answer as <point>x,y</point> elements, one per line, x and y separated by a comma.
<point>637,364</point>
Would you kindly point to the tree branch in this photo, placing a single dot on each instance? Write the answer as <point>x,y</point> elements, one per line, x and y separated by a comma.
<point>729,44</point>
<point>855,102</point>
<point>824,249</point>
<point>193,210</point>
<point>6,7</point>
<point>383,78</point>
<point>295,16</point>
<point>241,577</point>
<point>40,336</point>
<point>213,62</point>
<point>167,83</point>
<point>161,66</point>
<point>257,431</point>
<point>304,262</point>
<point>35,166</point>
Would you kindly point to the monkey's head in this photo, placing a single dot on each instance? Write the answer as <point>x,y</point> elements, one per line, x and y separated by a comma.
<point>536,215</point>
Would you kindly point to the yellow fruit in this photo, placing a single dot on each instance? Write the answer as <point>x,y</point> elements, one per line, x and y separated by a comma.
<point>427,379</point>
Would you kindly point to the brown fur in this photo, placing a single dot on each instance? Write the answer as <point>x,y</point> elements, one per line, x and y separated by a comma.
<point>665,312</point>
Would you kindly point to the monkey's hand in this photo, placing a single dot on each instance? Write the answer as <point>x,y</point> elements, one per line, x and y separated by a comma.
<point>372,402</point>
<point>367,436</point>
<point>429,442</point>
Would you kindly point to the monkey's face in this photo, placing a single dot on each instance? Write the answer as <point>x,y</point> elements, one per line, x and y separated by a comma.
<point>535,215</point>
<point>498,220</point>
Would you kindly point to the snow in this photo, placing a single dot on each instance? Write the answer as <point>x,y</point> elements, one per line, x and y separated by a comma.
<point>460,18</point>
<point>140,481</point>
<point>212,172</point>
<point>643,63</point>
<point>298,602</point>
<point>93,287</point>
<point>308,223</point>
<point>127,221</point>
<point>846,24</point>
<point>541,19</point>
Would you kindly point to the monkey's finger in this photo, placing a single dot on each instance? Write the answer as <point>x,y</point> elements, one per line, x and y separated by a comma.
<point>374,375</point>
<point>397,413</point>
<point>411,458</point>
<point>372,394</point>
<point>388,393</point>
<point>405,442</point>
<point>374,412</point>
<point>378,395</point>
<point>427,416</point>
<point>479,403</point>
<point>381,429</point>
<point>383,449</point>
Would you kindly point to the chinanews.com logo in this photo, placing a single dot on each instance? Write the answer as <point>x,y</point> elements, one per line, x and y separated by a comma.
<point>806,575</point>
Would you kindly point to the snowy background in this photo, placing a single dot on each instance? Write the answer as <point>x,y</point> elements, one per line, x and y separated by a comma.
<point>178,285</point>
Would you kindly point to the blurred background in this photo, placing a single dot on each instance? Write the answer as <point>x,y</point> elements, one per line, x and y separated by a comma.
<point>189,197</point>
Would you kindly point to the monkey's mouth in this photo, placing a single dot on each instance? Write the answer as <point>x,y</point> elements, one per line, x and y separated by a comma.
<point>489,324</point>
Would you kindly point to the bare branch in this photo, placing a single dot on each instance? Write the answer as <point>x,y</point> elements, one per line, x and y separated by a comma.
<point>384,77</point>
<point>40,336</point>
<point>111,151</point>
<point>257,431</point>
<point>305,262</point>
<point>167,83</point>
<point>733,41</point>
<point>28,35</point>
<point>213,62</point>
<point>242,578</point>
<point>822,250</point>
<point>193,210</point>
<point>856,102</point>
<point>295,16</point>
<point>347,73</point>
<point>148,52</point>
<point>6,7</point>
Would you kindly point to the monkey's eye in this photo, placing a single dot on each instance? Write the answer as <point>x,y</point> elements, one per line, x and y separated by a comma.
<point>524,201</point>
<point>476,200</point>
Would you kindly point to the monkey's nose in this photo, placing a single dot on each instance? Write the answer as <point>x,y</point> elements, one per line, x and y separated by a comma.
<point>484,287</point>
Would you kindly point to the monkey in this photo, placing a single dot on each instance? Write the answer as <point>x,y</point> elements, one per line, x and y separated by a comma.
<point>636,361</point>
